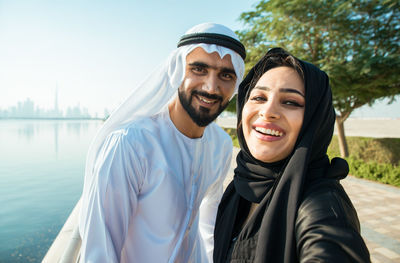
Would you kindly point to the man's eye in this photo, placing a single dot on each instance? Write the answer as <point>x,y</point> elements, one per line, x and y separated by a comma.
<point>198,69</point>
<point>227,76</point>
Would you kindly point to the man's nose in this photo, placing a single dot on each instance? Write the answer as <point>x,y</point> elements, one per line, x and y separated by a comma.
<point>210,84</point>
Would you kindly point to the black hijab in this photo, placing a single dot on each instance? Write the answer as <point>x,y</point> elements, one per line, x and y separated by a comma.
<point>278,187</point>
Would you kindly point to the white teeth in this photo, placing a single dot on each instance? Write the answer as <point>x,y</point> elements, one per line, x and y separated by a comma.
<point>204,100</point>
<point>269,131</point>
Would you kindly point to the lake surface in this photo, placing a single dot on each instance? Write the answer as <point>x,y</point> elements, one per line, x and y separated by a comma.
<point>41,177</point>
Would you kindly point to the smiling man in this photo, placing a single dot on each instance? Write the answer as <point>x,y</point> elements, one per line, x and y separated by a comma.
<point>205,91</point>
<point>155,171</point>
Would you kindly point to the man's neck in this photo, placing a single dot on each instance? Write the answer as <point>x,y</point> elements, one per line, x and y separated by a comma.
<point>182,121</point>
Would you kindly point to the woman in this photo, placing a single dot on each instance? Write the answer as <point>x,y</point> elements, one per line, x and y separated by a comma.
<point>285,203</point>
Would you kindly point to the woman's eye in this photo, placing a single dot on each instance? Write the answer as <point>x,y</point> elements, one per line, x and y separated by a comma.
<point>258,98</point>
<point>292,103</point>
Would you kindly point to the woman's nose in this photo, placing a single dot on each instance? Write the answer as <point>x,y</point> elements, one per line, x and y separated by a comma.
<point>269,110</point>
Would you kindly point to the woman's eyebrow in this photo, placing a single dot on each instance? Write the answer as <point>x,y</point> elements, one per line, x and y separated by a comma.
<point>285,90</point>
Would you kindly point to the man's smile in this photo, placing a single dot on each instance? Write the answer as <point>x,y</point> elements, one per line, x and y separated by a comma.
<point>206,99</point>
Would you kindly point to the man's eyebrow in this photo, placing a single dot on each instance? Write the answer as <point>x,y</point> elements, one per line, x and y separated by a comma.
<point>199,64</point>
<point>205,65</point>
<point>285,90</point>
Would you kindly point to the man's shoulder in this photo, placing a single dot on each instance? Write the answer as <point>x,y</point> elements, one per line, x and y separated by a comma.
<point>137,130</point>
<point>144,124</point>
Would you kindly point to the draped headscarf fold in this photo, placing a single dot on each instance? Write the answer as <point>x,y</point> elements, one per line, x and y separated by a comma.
<point>278,187</point>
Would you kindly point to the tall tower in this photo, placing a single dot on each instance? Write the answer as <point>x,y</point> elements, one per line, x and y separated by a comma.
<point>56,111</point>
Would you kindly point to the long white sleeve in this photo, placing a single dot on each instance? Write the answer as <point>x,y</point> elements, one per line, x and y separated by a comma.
<point>109,200</point>
<point>209,208</point>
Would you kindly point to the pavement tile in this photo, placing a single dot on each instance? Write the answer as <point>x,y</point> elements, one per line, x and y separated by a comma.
<point>389,218</point>
<point>375,260</point>
<point>366,211</point>
<point>382,230</point>
<point>382,258</point>
<point>388,253</point>
<point>372,221</point>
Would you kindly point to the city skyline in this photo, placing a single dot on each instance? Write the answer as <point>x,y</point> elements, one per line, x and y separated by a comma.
<point>96,52</point>
<point>28,109</point>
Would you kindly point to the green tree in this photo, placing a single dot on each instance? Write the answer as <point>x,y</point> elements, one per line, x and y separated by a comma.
<point>355,42</point>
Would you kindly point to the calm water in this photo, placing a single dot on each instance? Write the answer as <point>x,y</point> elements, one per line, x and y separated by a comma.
<point>41,176</point>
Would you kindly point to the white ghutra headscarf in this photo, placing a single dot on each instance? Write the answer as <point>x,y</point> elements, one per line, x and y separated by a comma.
<point>160,87</point>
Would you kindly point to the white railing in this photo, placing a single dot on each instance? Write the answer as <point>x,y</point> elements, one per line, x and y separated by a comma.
<point>66,246</point>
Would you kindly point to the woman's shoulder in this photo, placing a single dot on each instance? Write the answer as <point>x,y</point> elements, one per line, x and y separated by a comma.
<point>327,227</point>
<point>326,199</point>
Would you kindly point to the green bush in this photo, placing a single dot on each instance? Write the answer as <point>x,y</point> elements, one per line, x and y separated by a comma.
<point>382,172</point>
<point>380,150</point>
<point>376,159</point>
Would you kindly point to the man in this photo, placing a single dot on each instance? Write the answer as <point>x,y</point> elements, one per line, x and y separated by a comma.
<point>154,172</point>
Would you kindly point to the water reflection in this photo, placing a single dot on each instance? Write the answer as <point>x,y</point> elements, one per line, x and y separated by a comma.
<point>41,176</point>
<point>77,127</point>
<point>27,131</point>
<point>56,125</point>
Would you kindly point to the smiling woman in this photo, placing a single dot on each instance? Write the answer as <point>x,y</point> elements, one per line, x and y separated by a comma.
<point>285,203</point>
<point>273,114</point>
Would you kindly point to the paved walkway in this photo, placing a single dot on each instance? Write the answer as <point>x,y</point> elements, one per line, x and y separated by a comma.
<point>378,208</point>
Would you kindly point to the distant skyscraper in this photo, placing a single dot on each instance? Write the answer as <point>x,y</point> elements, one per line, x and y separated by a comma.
<point>56,100</point>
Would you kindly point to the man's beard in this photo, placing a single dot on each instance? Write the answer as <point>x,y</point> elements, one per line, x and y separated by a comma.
<point>201,117</point>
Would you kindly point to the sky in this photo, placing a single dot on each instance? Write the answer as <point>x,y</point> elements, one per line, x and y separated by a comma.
<point>95,52</point>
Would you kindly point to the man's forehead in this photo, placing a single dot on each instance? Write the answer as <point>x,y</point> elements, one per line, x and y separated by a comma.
<point>212,59</point>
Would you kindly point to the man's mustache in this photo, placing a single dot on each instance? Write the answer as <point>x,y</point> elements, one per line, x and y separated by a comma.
<point>207,95</point>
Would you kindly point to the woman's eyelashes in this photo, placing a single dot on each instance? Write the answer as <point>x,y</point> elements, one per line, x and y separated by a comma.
<point>257,98</point>
<point>293,103</point>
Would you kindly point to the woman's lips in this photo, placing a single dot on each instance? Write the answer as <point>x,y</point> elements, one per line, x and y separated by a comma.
<point>268,132</point>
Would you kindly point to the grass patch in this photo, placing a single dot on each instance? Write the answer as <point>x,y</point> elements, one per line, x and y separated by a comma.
<point>379,150</point>
<point>376,159</point>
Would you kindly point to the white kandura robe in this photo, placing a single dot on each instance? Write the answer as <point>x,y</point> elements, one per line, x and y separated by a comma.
<point>154,194</point>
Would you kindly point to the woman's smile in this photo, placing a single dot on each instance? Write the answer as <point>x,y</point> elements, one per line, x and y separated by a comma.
<point>268,132</point>
<point>273,114</point>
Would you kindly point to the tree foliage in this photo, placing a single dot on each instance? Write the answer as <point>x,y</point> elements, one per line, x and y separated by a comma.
<point>355,42</point>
